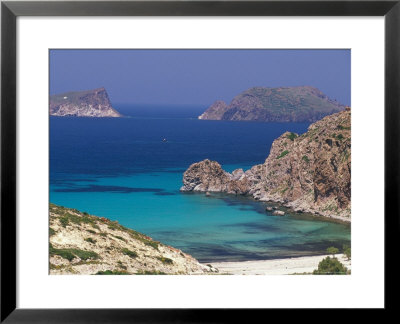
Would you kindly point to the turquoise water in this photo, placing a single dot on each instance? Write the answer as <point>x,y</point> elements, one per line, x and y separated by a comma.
<point>120,169</point>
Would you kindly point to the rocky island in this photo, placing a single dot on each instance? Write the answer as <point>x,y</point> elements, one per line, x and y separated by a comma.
<point>85,244</point>
<point>307,173</point>
<point>286,104</point>
<point>90,103</point>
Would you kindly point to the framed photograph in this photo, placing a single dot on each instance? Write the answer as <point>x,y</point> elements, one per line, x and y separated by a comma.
<point>190,156</point>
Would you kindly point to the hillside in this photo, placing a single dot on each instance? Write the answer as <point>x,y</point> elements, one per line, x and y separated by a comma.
<point>90,103</point>
<point>85,244</point>
<point>308,173</point>
<point>290,104</point>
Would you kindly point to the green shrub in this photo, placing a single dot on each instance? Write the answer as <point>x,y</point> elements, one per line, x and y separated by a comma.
<point>64,221</point>
<point>51,231</point>
<point>283,154</point>
<point>68,218</point>
<point>347,251</point>
<point>165,260</point>
<point>114,226</point>
<point>111,272</point>
<point>119,237</point>
<point>341,127</point>
<point>284,190</point>
<point>138,236</point>
<point>306,159</point>
<point>129,253</point>
<point>64,253</point>
<point>70,254</point>
<point>121,265</point>
<point>292,136</point>
<point>330,266</point>
<point>340,137</point>
<point>146,272</point>
<point>332,250</point>
<point>153,244</point>
<point>85,255</point>
<point>91,231</point>
<point>90,240</point>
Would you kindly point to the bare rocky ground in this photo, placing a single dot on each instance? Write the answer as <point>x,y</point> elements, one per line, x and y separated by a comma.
<point>85,244</point>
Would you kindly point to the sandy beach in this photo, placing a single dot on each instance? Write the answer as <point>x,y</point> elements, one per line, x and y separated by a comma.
<point>276,266</point>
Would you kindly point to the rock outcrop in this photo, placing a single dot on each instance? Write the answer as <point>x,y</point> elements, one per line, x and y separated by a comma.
<point>308,173</point>
<point>91,103</point>
<point>206,176</point>
<point>87,244</point>
<point>290,104</point>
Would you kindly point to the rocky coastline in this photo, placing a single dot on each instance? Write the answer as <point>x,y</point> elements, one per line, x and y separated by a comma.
<point>308,173</point>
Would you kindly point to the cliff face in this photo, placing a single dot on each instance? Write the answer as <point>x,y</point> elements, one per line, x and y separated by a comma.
<point>91,103</point>
<point>86,244</point>
<point>294,104</point>
<point>215,111</point>
<point>308,173</point>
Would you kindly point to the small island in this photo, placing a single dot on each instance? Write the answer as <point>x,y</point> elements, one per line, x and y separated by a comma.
<point>285,104</point>
<point>90,103</point>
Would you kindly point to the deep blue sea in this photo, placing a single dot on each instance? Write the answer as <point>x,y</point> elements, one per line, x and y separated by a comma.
<point>121,169</point>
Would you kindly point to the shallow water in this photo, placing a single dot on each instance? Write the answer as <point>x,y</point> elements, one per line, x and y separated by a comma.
<point>121,169</point>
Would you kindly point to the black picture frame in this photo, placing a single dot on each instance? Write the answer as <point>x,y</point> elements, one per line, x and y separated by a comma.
<point>10,10</point>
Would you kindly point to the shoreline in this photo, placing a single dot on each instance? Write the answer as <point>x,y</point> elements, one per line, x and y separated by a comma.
<point>283,206</point>
<point>297,265</point>
<point>310,213</point>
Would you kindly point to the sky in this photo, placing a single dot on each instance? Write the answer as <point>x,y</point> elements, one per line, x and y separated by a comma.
<point>197,77</point>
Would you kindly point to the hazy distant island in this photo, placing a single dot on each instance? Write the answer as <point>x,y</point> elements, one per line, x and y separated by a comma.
<point>307,173</point>
<point>285,104</point>
<point>89,103</point>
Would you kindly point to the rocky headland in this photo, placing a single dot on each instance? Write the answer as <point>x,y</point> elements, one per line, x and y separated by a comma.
<point>90,103</point>
<point>286,104</point>
<point>85,244</point>
<point>308,173</point>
